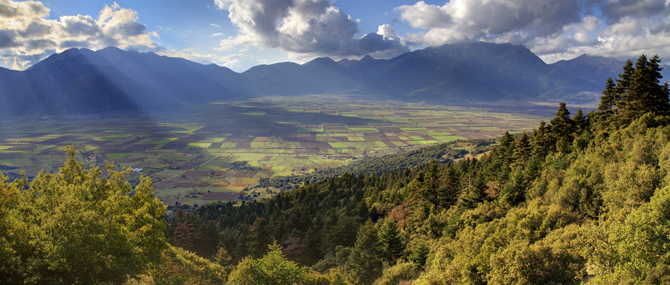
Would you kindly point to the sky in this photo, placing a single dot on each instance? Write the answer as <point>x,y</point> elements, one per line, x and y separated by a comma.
<point>239,34</point>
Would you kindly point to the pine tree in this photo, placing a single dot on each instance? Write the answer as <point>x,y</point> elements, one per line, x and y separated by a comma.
<point>623,83</point>
<point>640,91</point>
<point>658,100</point>
<point>364,264</point>
<point>447,192</point>
<point>580,122</point>
<point>608,100</point>
<point>541,140</point>
<point>561,125</point>
<point>259,238</point>
<point>390,241</point>
<point>523,148</point>
<point>419,255</point>
<point>208,239</point>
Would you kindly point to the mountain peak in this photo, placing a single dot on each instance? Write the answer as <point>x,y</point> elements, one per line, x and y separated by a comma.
<point>321,61</point>
<point>367,58</point>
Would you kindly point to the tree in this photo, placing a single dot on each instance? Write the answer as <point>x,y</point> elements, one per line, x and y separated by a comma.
<point>78,227</point>
<point>294,250</point>
<point>561,125</point>
<point>640,90</point>
<point>184,237</point>
<point>419,255</point>
<point>609,98</point>
<point>390,242</point>
<point>271,269</point>
<point>364,264</point>
<point>580,122</point>
<point>208,239</point>
<point>259,238</point>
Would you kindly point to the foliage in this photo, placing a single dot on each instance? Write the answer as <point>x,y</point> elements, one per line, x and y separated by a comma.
<point>178,266</point>
<point>364,264</point>
<point>78,227</point>
<point>271,269</point>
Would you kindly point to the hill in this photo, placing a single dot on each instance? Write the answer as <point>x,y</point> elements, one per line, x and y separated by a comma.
<point>581,198</point>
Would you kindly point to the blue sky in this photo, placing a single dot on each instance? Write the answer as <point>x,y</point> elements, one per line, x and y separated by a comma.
<point>242,33</point>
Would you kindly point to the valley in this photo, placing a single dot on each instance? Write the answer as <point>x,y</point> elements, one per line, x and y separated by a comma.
<point>214,151</point>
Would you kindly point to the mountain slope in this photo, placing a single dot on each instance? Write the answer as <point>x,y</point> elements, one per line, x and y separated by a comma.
<point>111,80</point>
<point>466,72</point>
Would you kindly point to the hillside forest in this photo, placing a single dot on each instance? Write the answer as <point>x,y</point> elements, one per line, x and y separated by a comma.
<point>584,197</point>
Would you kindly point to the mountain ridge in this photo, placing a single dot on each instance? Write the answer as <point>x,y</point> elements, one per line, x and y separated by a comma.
<point>68,82</point>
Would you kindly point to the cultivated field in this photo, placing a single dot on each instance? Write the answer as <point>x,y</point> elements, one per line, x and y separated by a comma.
<point>218,150</point>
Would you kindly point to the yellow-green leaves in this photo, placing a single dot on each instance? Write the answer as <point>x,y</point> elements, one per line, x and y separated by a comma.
<point>271,269</point>
<point>78,227</point>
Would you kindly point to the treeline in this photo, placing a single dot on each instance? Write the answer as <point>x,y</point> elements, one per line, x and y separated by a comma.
<point>582,197</point>
<point>442,153</point>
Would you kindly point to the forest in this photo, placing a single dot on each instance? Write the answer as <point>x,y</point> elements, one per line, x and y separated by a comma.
<point>582,198</point>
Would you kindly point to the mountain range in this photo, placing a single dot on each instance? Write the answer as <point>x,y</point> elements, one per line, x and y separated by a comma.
<point>81,81</point>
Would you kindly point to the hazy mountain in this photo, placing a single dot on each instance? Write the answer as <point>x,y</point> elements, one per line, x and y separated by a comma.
<point>596,69</point>
<point>468,72</point>
<point>321,75</point>
<point>111,80</point>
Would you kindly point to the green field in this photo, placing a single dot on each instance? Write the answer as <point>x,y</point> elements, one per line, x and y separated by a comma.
<point>223,148</point>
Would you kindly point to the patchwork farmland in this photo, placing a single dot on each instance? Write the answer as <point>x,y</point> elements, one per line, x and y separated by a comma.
<point>220,149</point>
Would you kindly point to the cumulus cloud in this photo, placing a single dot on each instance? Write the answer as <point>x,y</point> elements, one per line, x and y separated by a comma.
<point>554,29</point>
<point>307,27</point>
<point>518,20</point>
<point>27,36</point>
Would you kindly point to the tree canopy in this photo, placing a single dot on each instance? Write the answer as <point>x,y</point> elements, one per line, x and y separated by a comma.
<point>78,227</point>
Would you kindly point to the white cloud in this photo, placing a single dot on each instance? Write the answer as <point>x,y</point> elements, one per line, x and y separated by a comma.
<point>239,61</point>
<point>310,27</point>
<point>214,25</point>
<point>553,29</point>
<point>27,36</point>
<point>518,20</point>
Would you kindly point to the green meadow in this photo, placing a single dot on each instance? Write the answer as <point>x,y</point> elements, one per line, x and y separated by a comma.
<point>218,150</point>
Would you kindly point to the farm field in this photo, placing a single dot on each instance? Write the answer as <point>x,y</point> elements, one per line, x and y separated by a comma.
<point>220,149</point>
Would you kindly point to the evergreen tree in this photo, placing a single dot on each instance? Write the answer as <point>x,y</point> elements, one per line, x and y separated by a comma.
<point>523,148</point>
<point>364,264</point>
<point>623,83</point>
<point>259,238</point>
<point>561,125</point>
<point>271,269</point>
<point>390,241</point>
<point>208,239</point>
<point>580,122</point>
<point>541,140</point>
<point>419,255</point>
<point>608,100</point>
<point>638,91</point>
<point>447,192</point>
